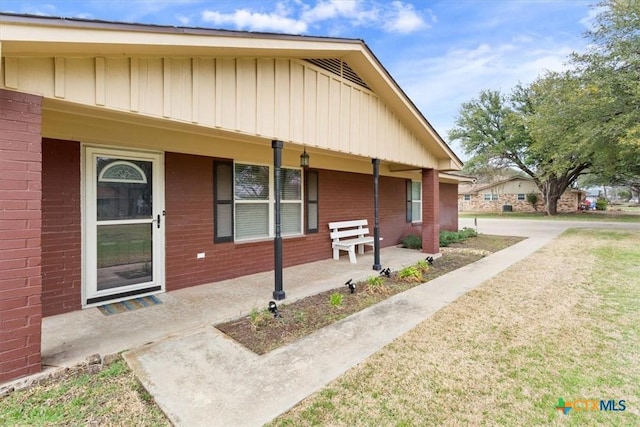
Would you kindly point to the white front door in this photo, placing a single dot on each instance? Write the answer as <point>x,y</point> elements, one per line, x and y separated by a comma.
<point>123,225</point>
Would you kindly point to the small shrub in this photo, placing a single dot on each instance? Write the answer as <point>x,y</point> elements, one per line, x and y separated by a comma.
<point>335,299</point>
<point>601,204</point>
<point>412,241</point>
<point>449,237</point>
<point>410,274</point>
<point>423,266</point>
<point>375,285</point>
<point>532,199</point>
<point>259,318</point>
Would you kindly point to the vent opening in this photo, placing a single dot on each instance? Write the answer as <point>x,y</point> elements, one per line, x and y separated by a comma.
<point>339,68</point>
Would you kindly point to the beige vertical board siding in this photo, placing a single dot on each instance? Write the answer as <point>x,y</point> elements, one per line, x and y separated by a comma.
<point>323,124</point>
<point>297,102</point>
<point>282,95</point>
<point>79,80</point>
<point>134,75</point>
<point>365,125</point>
<point>180,91</point>
<point>226,103</point>
<point>335,113</point>
<point>205,92</point>
<point>118,83</point>
<point>10,72</point>
<point>150,96</point>
<point>345,117</point>
<point>247,105</point>
<point>59,77</point>
<point>276,98</point>
<point>100,81</point>
<point>354,121</point>
<point>266,98</point>
<point>310,105</point>
<point>374,137</point>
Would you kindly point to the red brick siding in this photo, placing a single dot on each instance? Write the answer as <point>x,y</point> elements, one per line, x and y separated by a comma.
<point>61,227</point>
<point>189,222</point>
<point>20,227</point>
<point>449,207</point>
<point>430,211</point>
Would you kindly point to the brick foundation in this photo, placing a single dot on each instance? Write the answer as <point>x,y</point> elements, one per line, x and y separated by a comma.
<point>20,229</point>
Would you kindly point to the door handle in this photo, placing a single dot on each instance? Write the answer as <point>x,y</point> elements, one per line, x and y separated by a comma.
<point>158,220</point>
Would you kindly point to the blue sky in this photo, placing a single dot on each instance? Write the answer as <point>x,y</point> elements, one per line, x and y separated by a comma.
<point>442,53</point>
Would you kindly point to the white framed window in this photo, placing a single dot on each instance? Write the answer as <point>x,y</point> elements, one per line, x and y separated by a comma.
<point>521,196</point>
<point>416,201</point>
<point>254,200</point>
<point>490,196</point>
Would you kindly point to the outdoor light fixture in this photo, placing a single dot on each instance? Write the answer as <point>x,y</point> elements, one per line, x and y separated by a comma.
<point>430,260</point>
<point>304,159</point>
<point>273,308</point>
<point>351,285</point>
<point>385,272</point>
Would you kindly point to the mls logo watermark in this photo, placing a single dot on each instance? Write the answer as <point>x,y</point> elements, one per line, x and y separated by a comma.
<point>587,405</point>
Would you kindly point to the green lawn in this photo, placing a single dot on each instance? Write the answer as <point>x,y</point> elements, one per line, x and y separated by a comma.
<point>607,216</point>
<point>112,397</point>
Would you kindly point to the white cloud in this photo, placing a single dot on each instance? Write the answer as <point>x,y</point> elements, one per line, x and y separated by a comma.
<point>244,19</point>
<point>404,19</point>
<point>184,20</point>
<point>337,16</point>
<point>439,85</point>
<point>353,11</point>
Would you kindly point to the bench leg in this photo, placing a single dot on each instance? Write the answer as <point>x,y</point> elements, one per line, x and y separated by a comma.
<point>361,249</point>
<point>336,253</point>
<point>352,254</point>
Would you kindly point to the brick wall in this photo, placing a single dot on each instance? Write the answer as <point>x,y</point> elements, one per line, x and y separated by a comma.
<point>20,223</point>
<point>569,202</point>
<point>430,211</point>
<point>189,221</point>
<point>61,227</point>
<point>449,207</point>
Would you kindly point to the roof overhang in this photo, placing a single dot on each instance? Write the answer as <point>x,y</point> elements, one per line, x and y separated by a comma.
<point>36,35</point>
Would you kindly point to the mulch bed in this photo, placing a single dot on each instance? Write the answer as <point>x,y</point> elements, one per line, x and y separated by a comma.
<point>260,332</point>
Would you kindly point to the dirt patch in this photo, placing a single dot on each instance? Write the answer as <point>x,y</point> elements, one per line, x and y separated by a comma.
<point>261,332</point>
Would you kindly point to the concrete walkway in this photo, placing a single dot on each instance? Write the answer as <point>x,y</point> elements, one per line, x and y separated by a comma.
<point>203,378</point>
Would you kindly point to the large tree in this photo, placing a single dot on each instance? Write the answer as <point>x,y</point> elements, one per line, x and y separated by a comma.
<point>612,69</point>
<point>563,125</point>
<point>501,132</point>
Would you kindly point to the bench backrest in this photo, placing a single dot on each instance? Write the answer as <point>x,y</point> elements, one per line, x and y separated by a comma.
<point>354,228</point>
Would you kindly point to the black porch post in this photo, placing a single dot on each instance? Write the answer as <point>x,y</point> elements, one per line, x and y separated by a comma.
<point>376,222</point>
<point>278,293</point>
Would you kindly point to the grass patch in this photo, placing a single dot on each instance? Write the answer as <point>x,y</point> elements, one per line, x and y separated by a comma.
<point>113,396</point>
<point>606,216</point>
<point>563,323</point>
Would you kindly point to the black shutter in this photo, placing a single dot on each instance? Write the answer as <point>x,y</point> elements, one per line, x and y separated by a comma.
<point>311,196</point>
<point>223,201</point>
<point>409,200</point>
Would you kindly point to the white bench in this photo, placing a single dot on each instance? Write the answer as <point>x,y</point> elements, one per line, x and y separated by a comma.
<point>346,235</point>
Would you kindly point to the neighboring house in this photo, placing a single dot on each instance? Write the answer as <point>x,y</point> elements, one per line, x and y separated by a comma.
<point>139,159</point>
<point>511,195</point>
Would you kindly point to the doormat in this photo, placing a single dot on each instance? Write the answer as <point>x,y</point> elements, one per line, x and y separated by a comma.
<point>129,305</point>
